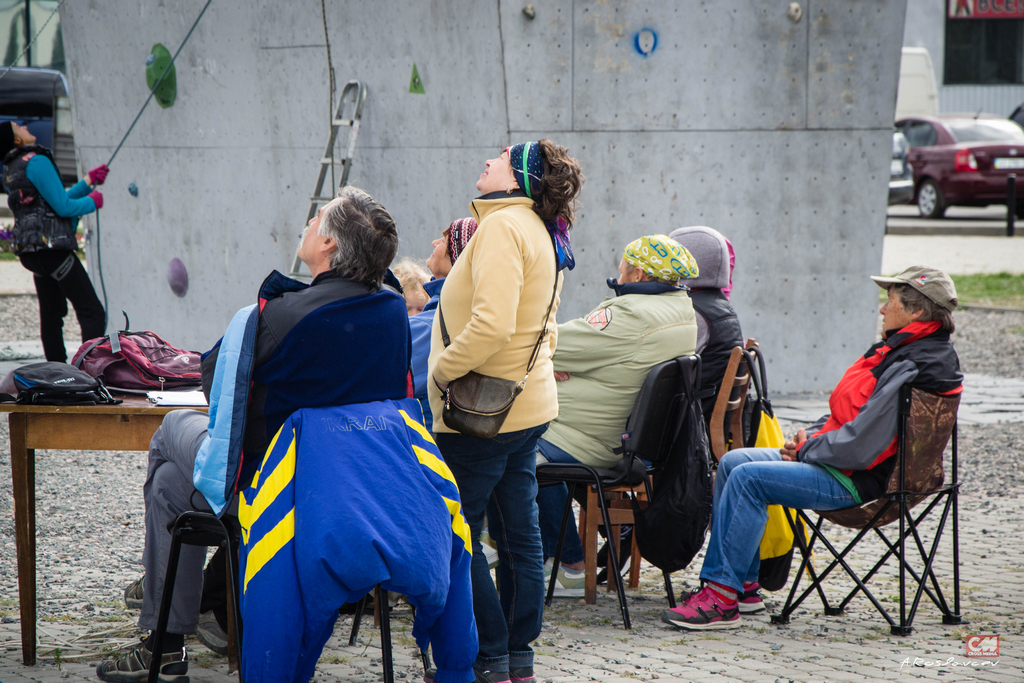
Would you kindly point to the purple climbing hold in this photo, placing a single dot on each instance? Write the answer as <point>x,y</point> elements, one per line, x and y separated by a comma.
<point>177,277</point>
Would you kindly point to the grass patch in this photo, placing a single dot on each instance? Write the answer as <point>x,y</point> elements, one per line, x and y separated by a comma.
<point>1000,289</point>
<point>7,256</point>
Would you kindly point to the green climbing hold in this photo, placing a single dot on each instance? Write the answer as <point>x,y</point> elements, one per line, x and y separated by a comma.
<point>415,84</point>
<point>159,59</point>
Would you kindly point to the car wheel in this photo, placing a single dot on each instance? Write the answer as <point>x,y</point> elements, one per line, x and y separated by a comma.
<point>930,201</point>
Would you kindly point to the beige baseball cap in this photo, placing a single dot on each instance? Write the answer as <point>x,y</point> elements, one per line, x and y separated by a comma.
<point>933,283</point>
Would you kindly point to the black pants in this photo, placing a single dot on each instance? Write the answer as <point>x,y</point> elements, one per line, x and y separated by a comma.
<point>60,277</point>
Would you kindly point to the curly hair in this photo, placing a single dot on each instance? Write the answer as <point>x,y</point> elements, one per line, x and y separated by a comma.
<point>560,185</point>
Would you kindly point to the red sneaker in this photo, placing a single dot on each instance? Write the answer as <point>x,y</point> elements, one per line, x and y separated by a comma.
<point>703,611</point>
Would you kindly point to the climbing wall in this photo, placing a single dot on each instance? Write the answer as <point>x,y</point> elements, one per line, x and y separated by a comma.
<point>772,126</point>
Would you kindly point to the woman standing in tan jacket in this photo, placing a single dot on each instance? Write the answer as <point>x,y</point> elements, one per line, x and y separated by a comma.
<point>498,299</point>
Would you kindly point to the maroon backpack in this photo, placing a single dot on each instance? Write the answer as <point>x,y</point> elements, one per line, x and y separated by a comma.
<point>136,362</point>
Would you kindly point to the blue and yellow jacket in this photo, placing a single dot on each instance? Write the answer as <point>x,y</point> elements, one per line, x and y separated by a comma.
<point>346,498</point>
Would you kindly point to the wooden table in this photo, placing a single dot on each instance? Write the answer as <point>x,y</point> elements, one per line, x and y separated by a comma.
<point>127,426</point>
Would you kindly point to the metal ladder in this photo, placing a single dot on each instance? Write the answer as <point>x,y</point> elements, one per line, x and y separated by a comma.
<point>355,91</point>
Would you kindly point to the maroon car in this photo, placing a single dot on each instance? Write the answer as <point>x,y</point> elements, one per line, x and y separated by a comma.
<point>963,159</point>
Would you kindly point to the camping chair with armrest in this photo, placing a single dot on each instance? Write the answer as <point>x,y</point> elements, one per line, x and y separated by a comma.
<point>651,430</point>
<point>926,423</point>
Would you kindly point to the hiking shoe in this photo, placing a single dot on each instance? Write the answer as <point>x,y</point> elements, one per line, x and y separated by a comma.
<point>569,584</point>
<point>750,601</point>
<point>210,634</point>
<point>134,667</point>
<point>133,594</point>
<point>702,611</point>
<point>490,548</point>
<point>625,549</point>
<point>521,674</point>
<point>485,676</point>
<point>488,676</point>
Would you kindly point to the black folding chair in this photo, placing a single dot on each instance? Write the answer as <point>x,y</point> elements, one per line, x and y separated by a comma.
<point>652,428</point>
<point>205,529</point>
<point>926,423</point>
<point>201,529</point>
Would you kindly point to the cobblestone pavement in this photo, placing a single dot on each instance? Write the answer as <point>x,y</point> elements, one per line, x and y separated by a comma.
<point>587,643</point>
<point>89,541</point>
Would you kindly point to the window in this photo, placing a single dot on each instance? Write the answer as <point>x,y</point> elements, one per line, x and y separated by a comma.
<point>984,130</point>
<point>48,50</point>
<point>984,51</point>
<point>920,134</point>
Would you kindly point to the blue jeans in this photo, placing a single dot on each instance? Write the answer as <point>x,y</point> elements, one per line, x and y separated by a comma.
<point>551,505</point>
<point>498,476</point>
<point>748,481</point>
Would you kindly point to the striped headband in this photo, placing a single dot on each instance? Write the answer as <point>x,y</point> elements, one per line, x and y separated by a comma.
<point>527,166</point>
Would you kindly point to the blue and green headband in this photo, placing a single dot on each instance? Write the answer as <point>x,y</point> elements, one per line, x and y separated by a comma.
<point>527,166</point>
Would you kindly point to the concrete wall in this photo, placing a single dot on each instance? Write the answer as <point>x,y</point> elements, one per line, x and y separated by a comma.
<point>774,132</point>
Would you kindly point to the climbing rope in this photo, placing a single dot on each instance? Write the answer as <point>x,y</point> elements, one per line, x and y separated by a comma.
<point>332,87</point>
<point>33,41</point>
<point>159,81</point>
<point>99,256</point>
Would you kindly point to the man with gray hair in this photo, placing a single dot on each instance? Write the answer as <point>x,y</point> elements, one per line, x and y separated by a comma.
<point>343,339</point>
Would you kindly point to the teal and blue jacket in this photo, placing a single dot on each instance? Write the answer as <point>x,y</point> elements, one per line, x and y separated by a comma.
<point>347,498</point>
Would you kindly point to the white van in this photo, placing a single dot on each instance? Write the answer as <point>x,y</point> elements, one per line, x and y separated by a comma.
<point>917,94</point>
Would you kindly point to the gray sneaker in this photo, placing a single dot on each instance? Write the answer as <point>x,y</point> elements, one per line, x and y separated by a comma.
<point>133,594</point>
<point>134,667</point>
<point>210,634</point>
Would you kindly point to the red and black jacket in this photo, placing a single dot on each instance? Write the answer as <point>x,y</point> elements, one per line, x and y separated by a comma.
<point>858,437</point>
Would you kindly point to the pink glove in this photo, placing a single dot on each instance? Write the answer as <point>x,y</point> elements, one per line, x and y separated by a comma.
<point>98,175</point>
<point>97,197</point>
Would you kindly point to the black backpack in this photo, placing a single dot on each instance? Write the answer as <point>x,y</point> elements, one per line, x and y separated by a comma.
<point>54,384</point>
<point>671,530</point>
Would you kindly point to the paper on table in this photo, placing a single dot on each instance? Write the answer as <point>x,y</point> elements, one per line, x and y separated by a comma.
<point>177,398</point>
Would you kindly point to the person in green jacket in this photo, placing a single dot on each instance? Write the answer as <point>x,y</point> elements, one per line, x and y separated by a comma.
<point>600,365</point>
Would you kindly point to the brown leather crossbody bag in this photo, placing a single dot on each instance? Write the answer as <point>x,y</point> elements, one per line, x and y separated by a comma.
<point>477,405</point>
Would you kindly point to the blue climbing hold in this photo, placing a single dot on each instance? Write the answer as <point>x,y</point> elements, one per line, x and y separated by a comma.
<point>133,189</point>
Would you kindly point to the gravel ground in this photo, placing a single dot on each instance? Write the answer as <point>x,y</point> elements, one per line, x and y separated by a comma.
<point>89,507</point>
<point>19,321</point>
<point>990,342</point>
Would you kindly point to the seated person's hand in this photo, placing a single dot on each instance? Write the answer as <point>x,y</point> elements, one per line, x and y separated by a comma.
<point>561,376</point>
<point>788,451</point>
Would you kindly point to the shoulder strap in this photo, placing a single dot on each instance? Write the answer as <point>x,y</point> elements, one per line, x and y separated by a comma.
<point>96,342</point>
<point>544,329</point>
<point>540,339</point>
<point>444,330</point>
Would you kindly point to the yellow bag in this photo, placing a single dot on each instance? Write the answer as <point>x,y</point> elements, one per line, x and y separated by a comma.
<point>777,542</point>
